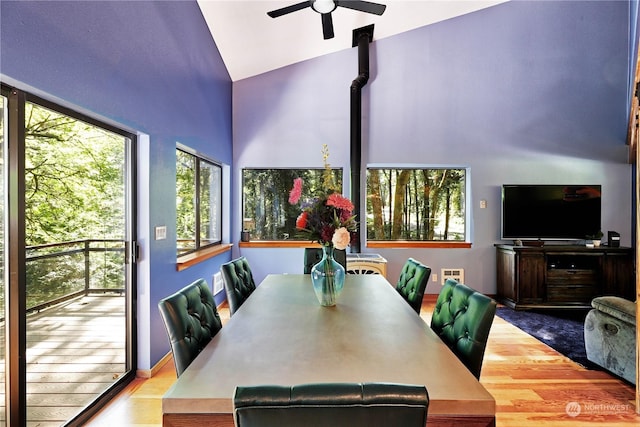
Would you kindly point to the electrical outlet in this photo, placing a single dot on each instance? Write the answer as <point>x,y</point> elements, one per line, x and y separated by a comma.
<point>483,204</point>
<point>434,277</point>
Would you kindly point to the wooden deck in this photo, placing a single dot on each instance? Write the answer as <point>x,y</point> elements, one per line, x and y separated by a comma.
<point>75,351</point>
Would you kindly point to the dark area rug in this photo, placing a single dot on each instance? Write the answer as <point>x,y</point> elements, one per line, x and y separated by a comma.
<point>563,331</point>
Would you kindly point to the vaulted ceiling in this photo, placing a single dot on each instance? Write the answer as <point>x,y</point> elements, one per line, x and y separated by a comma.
<point>253,43</point>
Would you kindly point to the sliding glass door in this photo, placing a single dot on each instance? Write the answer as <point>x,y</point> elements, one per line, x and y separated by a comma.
<point>70,199</point>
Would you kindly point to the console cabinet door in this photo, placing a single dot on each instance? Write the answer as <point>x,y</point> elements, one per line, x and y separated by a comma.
<point>618,275</point>
<point>506,263</point>
<point>531,277</point>
<point>520,276</point>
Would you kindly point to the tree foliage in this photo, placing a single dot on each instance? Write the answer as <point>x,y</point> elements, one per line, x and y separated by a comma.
<point>74,179</point>
<point>75,209</point>
<point>74,205</point>
<point>197,216</point>
<point>185,201</point>
<point>268,215</point>
<point>415,204</point>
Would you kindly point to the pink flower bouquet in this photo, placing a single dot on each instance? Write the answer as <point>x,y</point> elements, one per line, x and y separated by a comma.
<point>327,219</point>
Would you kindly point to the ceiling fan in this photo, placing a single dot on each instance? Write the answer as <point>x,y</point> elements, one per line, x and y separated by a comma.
<point>325,7</point>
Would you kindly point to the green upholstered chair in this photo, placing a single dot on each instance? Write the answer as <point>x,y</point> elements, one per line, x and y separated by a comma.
<point>332,404</point>
<point>238,282</point>
<point>412,283</point>
<point>191,319</point>
<point>312,256</point>
<point>462,318</point>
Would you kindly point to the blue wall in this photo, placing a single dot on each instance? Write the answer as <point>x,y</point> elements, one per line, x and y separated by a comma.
<point>153,68</point>
<point>522,92</point>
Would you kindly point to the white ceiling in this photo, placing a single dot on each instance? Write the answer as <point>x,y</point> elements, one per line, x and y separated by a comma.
<point>252,43</point>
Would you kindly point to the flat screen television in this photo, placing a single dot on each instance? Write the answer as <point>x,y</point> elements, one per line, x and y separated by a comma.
<point>553,212</point>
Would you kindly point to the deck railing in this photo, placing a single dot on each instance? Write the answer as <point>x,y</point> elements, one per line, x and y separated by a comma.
<point>57,272</point>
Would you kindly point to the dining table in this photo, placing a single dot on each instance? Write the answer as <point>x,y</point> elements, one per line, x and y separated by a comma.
<point>282,335</point>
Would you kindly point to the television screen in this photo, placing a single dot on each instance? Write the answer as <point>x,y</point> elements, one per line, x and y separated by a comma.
<point>550,211</point>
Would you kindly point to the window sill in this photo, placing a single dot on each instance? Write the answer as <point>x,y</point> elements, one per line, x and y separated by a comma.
<point>279,244</point>
<point>194,258</point>
<point>370,244</point>
<point>418,244</point>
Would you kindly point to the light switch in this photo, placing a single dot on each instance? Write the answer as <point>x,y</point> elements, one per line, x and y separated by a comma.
<point>161,232</point>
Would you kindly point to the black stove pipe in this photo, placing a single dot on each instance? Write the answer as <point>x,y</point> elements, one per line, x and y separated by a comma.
<point>361,38</point>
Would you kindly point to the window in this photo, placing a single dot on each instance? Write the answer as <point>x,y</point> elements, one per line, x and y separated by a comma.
<point>198,202</point>
<point>267,213</point>
<point>424,204</point>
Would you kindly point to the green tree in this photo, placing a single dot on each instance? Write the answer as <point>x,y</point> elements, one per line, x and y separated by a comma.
<point>415,204</point>
<point>73,179</point>
<point>74,192</point>
<point>267,213</point>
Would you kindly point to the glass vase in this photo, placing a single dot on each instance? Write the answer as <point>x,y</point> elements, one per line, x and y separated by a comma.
<point>327,277</point>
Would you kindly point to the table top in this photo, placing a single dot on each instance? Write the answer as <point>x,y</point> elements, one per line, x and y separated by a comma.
<point>281,335</point>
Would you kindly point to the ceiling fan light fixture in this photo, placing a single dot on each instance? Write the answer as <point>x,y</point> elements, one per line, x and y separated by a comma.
<point>324,6</point>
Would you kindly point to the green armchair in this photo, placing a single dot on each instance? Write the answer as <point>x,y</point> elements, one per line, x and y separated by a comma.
<point>238,282</point>
<point>462,318</point>
<point>413,282</point>
<point>331,404</point>
<point>191,319</point>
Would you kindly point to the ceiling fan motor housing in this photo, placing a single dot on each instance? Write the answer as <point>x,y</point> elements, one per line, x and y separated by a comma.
<point>324,6</point>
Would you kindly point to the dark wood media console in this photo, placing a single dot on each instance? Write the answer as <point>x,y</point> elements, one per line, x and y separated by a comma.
<point>562,276</point>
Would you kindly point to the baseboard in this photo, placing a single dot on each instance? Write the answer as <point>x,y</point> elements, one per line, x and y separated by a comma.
<point>148,373</point>
<point>434,297</point>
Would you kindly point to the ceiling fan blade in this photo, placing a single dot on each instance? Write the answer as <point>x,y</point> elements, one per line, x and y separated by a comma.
<point>327,26</point>
<point>363,6</point>
<point>288,9</point>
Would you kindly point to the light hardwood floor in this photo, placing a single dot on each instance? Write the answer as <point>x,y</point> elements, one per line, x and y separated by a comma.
<point>533,386</point>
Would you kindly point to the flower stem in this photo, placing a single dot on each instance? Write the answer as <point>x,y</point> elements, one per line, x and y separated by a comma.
<point>330,275</point>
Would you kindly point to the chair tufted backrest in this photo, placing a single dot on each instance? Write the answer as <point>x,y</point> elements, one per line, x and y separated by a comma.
<point>191,319</point>
<point>462,318</point>
<point>332,404</point>
<point>412,282</point>
<point>238,282</point>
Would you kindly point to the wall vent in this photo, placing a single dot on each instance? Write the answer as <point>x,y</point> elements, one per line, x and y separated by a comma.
<point>456,274</point>
<point>217,283</point>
